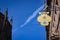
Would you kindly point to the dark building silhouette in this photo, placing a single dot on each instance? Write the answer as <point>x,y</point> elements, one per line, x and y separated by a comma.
<point>5,27</point>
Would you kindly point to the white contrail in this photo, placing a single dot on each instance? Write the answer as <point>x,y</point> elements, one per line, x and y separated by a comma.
<point>32,16</point>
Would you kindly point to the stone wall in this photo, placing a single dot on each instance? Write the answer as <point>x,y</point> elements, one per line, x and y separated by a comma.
<point>55,23</point>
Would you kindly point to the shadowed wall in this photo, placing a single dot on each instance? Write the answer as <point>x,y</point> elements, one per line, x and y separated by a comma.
<point>5,28</point>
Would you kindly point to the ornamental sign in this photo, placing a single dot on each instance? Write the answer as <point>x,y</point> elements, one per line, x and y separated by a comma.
<point>44,18</point>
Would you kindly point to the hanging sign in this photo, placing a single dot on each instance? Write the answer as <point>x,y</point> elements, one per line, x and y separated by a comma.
<point>44,18</point>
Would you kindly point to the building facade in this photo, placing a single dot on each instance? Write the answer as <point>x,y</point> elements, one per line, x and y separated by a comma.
<point>53,30</point>
<point>5,27</point>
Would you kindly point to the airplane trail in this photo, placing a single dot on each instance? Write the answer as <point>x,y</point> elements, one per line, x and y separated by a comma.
<point>31,17</point>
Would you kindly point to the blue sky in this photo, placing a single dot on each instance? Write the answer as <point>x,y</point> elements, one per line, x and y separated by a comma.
<point>21,10</point>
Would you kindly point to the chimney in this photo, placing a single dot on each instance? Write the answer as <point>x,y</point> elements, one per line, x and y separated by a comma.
<point>6,13</point>
<point>11,20</point>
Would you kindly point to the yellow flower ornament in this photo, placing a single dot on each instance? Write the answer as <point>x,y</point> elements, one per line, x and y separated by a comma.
<point>44,18</point>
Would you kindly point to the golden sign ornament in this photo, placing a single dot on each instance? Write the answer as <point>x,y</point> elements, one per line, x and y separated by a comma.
<point>44,18</point>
